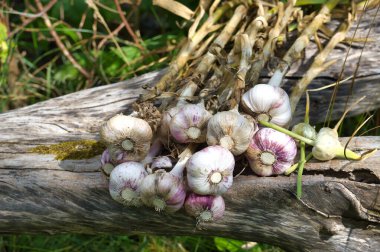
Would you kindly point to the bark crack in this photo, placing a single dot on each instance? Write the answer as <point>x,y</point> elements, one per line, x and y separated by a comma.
<point>360,211</point>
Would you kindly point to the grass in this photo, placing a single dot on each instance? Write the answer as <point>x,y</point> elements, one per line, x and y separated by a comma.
<point>141,243</point>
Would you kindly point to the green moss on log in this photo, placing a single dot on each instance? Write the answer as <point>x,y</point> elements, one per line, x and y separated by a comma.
<point>81,149</point>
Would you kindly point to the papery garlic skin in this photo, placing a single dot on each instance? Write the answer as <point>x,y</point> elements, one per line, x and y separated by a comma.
<point>105,160</point>
<point>326,144</point>
<point>125,180</point>
<point>189,125</point>
<point>210,170</point>
<point>132,134</point>
<point>163,191</point>
<point>230,130</point>
<point>205,208</point>
<point>271,152</point>
<point>268,103</point>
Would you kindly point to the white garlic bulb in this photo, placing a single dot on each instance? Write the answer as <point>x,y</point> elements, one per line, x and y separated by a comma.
<point>189,125</point>
<point>131,134</point>
<point>326,144</point>
<point>125,180</point>
<point>268,103</point>
<point>163,191</point>
<point>162,162</point>
<point>210,170</point>
<point>230,130</point>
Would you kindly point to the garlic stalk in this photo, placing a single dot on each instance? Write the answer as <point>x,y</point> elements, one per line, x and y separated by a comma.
<point>131,134</point>
<point>189,124</point>
<point>210,171</point>
<point>267,103</point>
<point>230,130</point>
<point>302,41</point>
<point>125,180</point>
<point>205,208</point>
<point>271,152</point>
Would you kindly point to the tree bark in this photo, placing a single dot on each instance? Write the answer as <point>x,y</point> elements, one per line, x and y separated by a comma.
<point>339,210</point>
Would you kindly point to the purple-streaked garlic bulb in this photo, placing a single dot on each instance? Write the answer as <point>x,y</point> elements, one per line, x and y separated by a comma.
<point>189,125</point>
<point>210,170</point>
<point>130,134</point>
<point>205,208</point>
<point>162,162</point>
<point>125,180</point>
<point>105,160</point>
<point>271,152</point>
<point>163,191</point>
<point>268,103</point>
<point>230,130</point>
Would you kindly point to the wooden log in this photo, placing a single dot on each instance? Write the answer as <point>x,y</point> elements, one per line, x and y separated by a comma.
<point>339,211</point>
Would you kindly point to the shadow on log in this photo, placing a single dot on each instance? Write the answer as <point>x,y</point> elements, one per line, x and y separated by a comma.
<point>340,209</point>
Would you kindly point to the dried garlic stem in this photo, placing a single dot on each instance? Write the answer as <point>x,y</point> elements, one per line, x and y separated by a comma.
<point>318,65</point>
<point>246,41</point>
<point>186,51</point>
<point>220,42</point>
<point>302,41</point>
<point>282,20</point>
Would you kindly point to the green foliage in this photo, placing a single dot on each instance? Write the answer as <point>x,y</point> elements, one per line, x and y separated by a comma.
<point>69,242</point>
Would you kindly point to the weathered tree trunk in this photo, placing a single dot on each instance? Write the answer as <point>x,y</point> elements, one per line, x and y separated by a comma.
<point>339,210</point>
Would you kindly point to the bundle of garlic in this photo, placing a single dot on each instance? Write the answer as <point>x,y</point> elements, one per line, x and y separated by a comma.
<point>201,127</point>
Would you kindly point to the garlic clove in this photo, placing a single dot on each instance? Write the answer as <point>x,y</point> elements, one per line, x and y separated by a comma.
<point>268,103</point>
<point>162,162</point>
<point>210,171</point>
<point>205,208</point>
<point>125,180</point>
<point>189,125</point>
<point>131,134</point>
<point>271,152</point>
<point>230,130</point>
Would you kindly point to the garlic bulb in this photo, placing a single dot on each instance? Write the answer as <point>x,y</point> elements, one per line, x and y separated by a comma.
<point>268,103</point>
<point>163,191</point>
<point>105,160</point>
<point>163,162</point>
<point>164,131</point>
<point>189,125</point>
<point>205,207</point>
<point>125,180</point>
<point>271,152</point>
<point>131,134</point>
<point>210,170</point>
<point>326,144</point>
<point>230,130</point>
<point>305,130</point>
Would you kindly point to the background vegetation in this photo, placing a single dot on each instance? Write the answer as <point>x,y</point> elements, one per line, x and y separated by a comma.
<point>51,48</point>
